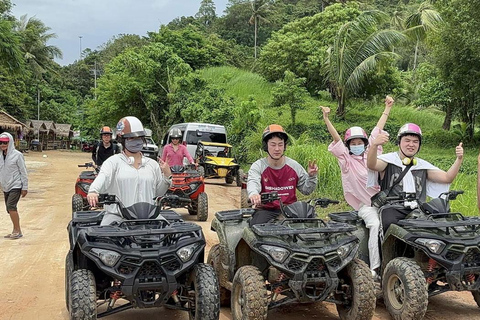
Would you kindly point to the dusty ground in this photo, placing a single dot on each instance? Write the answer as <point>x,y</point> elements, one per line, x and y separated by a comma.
<point>32,268</point>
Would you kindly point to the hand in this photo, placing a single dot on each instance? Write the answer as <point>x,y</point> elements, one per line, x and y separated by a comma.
<point>24,193</point>
<point>459,151</point>
<point>326,111</point>
<point>256,200</point>
<point>389,102</point>
<point>312,168</point>
<point>381,139</point>
<point>164,167</point>
<point>92,198</point>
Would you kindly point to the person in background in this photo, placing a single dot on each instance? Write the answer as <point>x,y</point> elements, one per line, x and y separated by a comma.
<point>105,148</point>
<point>278,173</point>
<point>175,151</point>
<point>423,178</point>
<point>13,179</point>
<point>129,175</point>
<point>352,159</point>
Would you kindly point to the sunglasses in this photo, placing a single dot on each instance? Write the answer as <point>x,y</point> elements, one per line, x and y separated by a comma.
<point>3,142</point>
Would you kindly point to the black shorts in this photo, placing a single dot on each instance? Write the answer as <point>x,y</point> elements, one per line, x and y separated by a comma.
<point>11,199</point>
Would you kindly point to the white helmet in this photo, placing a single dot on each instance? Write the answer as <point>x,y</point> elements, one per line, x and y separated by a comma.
<point>129,127</point>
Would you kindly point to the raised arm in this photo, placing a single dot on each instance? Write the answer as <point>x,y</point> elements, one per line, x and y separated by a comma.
<point>372,161</point>
<point>388,107</point>
<point>447,177</point>
<point>333,132</point>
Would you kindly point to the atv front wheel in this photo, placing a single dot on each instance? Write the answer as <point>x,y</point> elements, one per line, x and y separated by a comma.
<point>213,259</point>
<point>239,177</point>
<point>249,295</point>
<point>83,300</point>
<point>229,179</point>
<point>404,289</point>
<point>205,304</point>
<point>202,207</point>
<point>77,203</point>
<point>359,290</point>
<point>244,198</point>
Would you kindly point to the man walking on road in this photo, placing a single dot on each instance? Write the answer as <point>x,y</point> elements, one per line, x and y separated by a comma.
<point>13,180</point>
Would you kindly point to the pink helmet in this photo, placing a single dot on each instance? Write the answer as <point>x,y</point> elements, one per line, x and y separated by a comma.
<point>409,129</point>
<point>355,133</point>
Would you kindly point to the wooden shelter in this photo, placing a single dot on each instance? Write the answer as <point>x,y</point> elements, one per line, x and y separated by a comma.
<point>64,134</point>
<point>50,135</point>
<point>13,126</point>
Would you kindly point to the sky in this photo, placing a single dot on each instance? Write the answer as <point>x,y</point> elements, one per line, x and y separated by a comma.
<point>97,21</point>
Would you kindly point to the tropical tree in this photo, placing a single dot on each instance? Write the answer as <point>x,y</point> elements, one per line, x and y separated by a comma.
<point>10,54</point>
<point>360,46</point>
<point>206,13</point>
<point>259,9</point>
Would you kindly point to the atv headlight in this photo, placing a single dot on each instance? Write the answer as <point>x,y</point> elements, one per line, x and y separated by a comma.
<point>186,253</point>
<point>435,246</point>
<point>108,257</point>
<point>277,253</point>
<point>345,249</point>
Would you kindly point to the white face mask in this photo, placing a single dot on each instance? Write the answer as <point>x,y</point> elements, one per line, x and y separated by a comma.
<point>358,149</point>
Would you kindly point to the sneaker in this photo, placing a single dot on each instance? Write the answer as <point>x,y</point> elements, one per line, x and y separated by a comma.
<point>16,236</point>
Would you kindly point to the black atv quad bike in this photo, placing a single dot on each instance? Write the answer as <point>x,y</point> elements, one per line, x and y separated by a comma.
<point>151,259</point>
<point>297,259</point>
<point>430,252</point>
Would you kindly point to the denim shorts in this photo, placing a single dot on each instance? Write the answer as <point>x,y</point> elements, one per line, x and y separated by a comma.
<point>11,199</point>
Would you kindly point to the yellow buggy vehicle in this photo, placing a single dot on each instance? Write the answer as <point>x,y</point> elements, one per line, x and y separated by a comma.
<point>215,161</point>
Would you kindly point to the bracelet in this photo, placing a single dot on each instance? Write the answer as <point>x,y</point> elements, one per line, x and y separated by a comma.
<point>387,114</point>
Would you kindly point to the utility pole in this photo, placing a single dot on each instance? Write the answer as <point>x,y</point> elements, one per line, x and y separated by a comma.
<point>95,73</point>
<point>80,37</point>
<point>38,103</point>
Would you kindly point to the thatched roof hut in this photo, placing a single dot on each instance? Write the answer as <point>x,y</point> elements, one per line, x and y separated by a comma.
<point>36,126</point>
<point>64,130</point>
<point>9,123</point>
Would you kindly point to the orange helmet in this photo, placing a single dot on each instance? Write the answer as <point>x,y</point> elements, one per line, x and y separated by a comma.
<point>106,130</point>
<point>269,131</point>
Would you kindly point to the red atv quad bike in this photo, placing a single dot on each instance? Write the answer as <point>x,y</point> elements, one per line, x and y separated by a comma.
<point>189,188</point>
<point>84,180</point>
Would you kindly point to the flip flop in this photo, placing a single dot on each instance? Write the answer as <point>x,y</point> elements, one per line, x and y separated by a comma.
<point>16,236</point>
<point>8,236</point>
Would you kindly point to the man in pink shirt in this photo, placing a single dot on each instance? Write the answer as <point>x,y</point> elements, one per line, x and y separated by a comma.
<point>174,152</point>
<point>352,159</point>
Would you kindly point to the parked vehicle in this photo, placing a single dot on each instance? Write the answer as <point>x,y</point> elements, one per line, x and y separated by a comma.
<point>151,259</point>
<point>150,149</point>
<point>188,190</point>
<point>194,132</point>
<point>84,180</point>
<point>430,252</point>
<point>296,259</point>
<point>215,161</point>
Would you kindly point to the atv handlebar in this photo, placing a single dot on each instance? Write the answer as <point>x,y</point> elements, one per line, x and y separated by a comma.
<point>86,165</point>
<point>267,197</point>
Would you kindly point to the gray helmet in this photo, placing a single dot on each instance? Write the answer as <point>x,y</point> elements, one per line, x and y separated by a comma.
<point>175,133</point>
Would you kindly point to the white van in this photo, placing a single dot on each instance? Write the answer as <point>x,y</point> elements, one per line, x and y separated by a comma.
<point>193,132</point>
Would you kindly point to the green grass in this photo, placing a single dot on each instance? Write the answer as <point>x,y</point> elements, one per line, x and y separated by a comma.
<point>310,138</point>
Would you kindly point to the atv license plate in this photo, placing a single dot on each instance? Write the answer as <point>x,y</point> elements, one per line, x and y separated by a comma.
<point>222,172</point>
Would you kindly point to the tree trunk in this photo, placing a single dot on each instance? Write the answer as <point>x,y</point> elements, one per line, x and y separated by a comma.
<point>447,122</point>
<point>415,56</point>
<point>341,103</point>
<point>255,44</point>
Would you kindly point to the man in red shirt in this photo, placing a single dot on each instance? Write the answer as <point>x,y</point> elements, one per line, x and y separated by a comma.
<point>278,173</point>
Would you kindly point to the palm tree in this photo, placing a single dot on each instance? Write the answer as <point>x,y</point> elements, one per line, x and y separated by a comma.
<point>359,47</point>
<point>259,8</point>
<point>10,54</point>
<point>419,23</point>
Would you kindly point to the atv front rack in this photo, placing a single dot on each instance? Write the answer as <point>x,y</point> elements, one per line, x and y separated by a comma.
<point>234,215</point>
<point>457,222</point>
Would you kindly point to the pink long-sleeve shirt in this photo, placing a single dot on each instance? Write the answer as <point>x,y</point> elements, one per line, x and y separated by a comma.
<point>355,172</point>
<point>176,157</point>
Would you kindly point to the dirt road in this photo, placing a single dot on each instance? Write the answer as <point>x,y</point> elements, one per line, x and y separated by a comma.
<point>32,268</point>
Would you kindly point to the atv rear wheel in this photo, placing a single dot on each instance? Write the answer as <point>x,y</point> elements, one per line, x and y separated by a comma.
<point>244,198</point>
<point>404,289</point>
<point>77,202</point>
<point>205,304</point>
<point>202,207</point>
<point>249,295</point>
<point>213,259</point>
<point>229,178</point>
<point>82,296</point>
<point>359,288</point>
<point>239,177</point>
